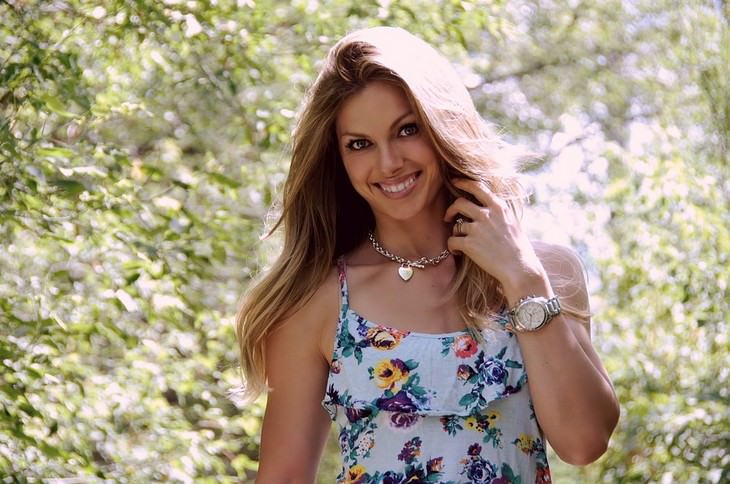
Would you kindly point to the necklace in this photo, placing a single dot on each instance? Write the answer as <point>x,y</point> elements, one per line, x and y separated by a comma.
<point>405,271</point>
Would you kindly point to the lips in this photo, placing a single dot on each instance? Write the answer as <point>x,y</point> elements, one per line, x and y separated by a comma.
<point>399,187</point>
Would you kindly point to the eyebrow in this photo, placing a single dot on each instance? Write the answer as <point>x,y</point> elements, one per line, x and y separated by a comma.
<point>397,121</point>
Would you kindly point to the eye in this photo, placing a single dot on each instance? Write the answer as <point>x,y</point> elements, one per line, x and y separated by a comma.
<point>357,144</point>
<point>408,130</point>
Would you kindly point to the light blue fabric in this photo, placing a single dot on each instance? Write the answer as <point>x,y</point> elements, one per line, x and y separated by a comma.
<point>419,407</point>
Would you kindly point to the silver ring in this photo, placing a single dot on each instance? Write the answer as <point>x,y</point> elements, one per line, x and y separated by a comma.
<point>459,228</point>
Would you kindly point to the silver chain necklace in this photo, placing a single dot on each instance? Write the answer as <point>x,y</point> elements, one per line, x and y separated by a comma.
<point>405,271</point>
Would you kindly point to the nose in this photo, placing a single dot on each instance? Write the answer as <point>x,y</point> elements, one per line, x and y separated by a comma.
<point>391,160</point>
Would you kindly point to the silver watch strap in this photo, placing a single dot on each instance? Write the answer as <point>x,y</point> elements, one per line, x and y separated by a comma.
<point>553,306</point>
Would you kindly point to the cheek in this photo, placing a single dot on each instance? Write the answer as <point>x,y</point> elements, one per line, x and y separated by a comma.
<point>356,172</point>
<point>424,151</point>
<point>354,166</point>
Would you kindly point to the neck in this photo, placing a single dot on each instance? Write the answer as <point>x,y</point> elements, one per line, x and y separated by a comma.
<point>413,239</point>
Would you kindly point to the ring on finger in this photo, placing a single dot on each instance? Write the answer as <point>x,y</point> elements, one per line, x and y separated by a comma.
<point>459,226</point>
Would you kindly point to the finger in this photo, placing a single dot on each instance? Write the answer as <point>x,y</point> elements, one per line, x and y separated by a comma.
<point>456,244</point>
<point>465,208</point>
<point>460,227</point>
<point>479,190</point>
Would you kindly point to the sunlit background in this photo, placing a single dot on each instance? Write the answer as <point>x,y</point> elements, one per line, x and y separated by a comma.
<point>142,143</point>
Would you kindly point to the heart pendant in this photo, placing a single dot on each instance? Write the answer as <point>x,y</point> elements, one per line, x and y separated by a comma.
<point>405,272</point>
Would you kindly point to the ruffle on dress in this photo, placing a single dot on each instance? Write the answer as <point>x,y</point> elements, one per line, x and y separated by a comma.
<point>376,368</point>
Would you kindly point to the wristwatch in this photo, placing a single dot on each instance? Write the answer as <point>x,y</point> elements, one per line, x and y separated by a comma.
<point>532,313</point>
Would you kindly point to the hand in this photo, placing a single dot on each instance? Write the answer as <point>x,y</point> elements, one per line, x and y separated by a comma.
<point>492,237</point>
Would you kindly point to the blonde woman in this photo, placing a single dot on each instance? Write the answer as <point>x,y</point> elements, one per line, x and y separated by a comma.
<point>408,305</point>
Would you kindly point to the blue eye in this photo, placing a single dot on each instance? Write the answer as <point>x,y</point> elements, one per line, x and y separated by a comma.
<point>357,144</point>
<point>408,130</point>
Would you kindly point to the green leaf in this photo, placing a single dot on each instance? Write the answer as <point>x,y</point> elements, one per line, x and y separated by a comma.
<point>69,188</point>
<point>55,152</point>
<point>55,105</point>
<point>224,180</point>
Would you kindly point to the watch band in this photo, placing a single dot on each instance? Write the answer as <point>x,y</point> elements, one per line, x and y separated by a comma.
<point>551,307</point>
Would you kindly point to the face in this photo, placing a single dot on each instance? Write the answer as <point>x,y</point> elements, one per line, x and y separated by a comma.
<point>387,155</point>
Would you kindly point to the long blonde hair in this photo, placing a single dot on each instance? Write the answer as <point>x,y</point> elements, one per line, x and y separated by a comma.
<point>322,215</point>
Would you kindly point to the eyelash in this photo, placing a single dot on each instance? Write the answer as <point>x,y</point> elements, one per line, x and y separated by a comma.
<point>351,145</point>
<point>407,126</point>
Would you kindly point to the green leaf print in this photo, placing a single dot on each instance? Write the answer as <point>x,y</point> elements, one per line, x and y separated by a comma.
<point>467,399</point>
<point>509,474</point>
<point>493,435</point>
<point>446,345</point>
<point>500,355</point>
<point>411,364</point>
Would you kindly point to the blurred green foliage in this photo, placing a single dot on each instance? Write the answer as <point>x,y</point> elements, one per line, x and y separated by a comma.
<point>142,142</point>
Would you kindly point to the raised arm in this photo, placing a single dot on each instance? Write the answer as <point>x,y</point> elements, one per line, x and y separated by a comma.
<point>573,396</point>
<point>574,400</point>
<point>295,424</point>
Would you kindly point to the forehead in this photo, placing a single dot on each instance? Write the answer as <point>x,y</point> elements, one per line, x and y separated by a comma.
<point>374,107</point>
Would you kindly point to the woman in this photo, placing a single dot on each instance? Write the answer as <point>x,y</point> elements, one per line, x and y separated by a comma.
<point>408,305</point>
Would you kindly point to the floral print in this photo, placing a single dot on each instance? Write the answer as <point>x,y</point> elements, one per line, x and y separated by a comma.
<point>477,468</point>
<point>356,475</point>
<point>424,408</point>
<point>384,338</point>
<point>463,346</point>
<point>391,374</point>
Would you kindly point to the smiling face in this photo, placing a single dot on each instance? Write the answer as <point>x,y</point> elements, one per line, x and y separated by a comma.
<point>387,155</point>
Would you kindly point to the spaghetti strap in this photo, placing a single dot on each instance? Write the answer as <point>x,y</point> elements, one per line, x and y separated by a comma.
<point>344,293</point>
<point>460,402</point>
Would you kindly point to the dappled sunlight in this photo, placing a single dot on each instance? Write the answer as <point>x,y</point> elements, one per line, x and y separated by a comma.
<point>143,146</point>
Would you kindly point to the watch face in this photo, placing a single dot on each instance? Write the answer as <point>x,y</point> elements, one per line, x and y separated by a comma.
<point>531,314</point>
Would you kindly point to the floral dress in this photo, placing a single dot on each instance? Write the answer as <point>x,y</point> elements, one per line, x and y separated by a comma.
<point>431,408</point>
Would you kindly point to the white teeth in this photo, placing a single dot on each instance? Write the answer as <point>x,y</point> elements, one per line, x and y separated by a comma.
<point>398,187</point>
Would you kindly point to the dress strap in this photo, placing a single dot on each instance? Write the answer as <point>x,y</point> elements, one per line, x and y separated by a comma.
<point>344,293</point>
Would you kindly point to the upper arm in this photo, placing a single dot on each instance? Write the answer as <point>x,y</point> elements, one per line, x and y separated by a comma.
<point>295,424</point>
<point>568,280</point>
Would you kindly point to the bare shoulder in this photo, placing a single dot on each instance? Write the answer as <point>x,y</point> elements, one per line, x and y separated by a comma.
<point>306,326</point>
<point>566,272</point>
<point>561,259</point>
<point>295,423</point>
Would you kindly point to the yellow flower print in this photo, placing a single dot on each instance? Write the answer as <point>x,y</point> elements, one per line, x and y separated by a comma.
<point>384,339</point>
<point>481,423</point>
<point>525,443</point>
<point>491,418</point>
<point>356,474</point>
<point>473,424</point>
<point>390,374</point>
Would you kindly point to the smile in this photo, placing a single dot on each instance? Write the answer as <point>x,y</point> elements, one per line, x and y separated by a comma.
<point>395,188</point>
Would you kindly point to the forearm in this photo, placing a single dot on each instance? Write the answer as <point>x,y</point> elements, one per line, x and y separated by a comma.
<point>574,403</point>
<point>573,397</point>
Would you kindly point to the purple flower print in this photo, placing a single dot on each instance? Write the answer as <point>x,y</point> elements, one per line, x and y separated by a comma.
<point>400,402</point>
<point>333,396</point>
<point>480,471</point>
<point>464,372</point>
<point>493,371</point>
<point>392,477</point>
<point>476,468</point>
<point>403,420</point>
<point>411,450</point>
<point>354,414</point>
